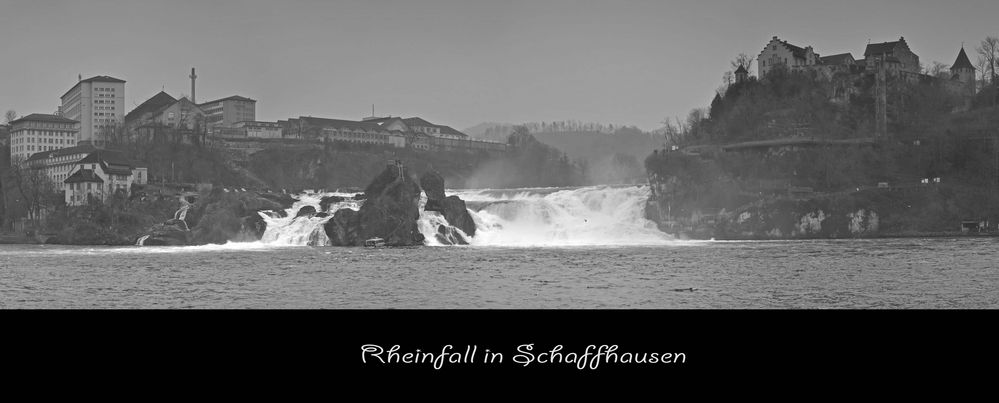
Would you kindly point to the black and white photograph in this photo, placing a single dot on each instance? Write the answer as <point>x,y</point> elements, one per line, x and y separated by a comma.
<point>511,155</point>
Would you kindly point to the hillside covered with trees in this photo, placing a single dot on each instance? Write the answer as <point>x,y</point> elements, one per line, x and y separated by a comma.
<point>798,137</point>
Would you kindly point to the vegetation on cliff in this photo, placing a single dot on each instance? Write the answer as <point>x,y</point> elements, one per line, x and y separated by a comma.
<point>933,134</point>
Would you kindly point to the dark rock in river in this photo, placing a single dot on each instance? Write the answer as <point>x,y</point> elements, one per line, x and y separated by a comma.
<point>325,202</point>
<point>360,196</point>
<point>449,236</point>
<point>342,228</point>
<point>457,214</point>
<point>307,211</point>
<point>392,208</point>
<point>254,227</point>
<point>322,215</point>
<point>433,185</point>
<point>170,233</point>
<point>222,216</point>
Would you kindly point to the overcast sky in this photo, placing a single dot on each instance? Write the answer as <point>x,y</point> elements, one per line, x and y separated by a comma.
<point>458,62</point>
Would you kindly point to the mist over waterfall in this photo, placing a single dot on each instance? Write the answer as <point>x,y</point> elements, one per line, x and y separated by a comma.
<point>595,215</point>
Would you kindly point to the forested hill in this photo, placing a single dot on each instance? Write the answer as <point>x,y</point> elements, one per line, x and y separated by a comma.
<point>610,153</point>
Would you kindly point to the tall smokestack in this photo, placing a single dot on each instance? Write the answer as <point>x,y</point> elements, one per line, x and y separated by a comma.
<point>193,77</point>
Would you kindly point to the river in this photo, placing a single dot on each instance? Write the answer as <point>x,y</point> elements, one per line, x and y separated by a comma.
<point>534,248</point>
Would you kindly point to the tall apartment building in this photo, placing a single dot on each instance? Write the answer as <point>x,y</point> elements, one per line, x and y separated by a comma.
<point>227,111</point>
<point>98,103</point>
<point>39,132</point>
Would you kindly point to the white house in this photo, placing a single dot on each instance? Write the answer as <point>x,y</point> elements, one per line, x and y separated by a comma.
<point>101,174</point>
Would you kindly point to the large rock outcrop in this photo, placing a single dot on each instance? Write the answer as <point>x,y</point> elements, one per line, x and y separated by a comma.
<point>170,233</point>
<point>452,207</point>
<point>233,216</point>
<point>390,212</point>
<point>456,214</point>
<point>218,218</point>
<point>433,186</point>
<point>342,228</point>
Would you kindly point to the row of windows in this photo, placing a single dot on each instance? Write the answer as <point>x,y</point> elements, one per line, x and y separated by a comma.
<point>34,148</point>
<point>30,140</point>
<point>45,133</point>
<point>41,125</point>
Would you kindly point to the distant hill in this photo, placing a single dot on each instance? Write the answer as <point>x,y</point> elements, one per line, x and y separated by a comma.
<point>491,131</point>
<point>611,153</point>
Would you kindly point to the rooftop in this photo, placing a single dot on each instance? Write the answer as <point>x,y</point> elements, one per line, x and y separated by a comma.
<point>42,117</point>
<point>232,98</point>
<point>84,175</point>
<point>841,58</point>
<point>883,47</point>
<point>97,79</point>
<point>962,61</point>
<point>154,103</point>
<point>112,157</point>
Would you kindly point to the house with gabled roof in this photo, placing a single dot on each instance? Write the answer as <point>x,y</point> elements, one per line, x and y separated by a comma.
<point>780,53</point>
<point>165,118</point>
<point>101,174</point>
<point>896,55</point>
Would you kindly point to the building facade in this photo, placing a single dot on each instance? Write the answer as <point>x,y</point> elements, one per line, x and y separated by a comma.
<point>896,55</point>
<point>101,174</point>
<point>963,72</point>
<point>98,103</point>
<point>263,130</point>
<point>59,164</point>
<point>415,133</point>
<point>783,54</point>
<point>226,112</point>
<point>40,132</point>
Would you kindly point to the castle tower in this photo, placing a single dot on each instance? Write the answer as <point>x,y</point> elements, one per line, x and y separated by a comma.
<point>193,77</point>
<point>963,71</point>
<point>741,74</point>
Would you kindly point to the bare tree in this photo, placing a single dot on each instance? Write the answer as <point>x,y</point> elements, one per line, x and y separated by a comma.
<point>988,54</point>
<point>743,60</point>
<point>982,69</point>
<point>938,70</point>
<point>34,185</point>
<point>10,116</point>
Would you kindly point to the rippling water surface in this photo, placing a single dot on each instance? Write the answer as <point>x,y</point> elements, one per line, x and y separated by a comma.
<point>884,273</point>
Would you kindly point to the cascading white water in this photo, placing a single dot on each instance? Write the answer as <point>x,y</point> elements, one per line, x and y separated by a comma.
<point>305,230</point>
<point>595,215</point>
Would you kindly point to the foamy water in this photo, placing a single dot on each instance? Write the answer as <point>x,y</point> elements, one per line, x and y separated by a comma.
<point>541,217</point>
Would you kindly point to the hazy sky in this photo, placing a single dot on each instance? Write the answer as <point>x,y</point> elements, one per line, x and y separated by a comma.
<point>458,62</point>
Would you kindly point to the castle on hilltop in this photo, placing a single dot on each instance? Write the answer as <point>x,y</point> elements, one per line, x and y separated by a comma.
<point>895,59</point>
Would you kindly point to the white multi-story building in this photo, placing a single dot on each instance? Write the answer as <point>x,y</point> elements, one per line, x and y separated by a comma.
<point>40,132</point>
<point>59,164</point>
<point>227,111</point>
<point>98,103</point>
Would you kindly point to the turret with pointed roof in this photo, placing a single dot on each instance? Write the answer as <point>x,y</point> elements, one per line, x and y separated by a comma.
<point>964,71</point>
<point>962,61</point>
<point>741,74</point>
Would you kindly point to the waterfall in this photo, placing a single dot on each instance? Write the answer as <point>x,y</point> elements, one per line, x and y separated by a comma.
<point>286,229</point>
<point>537,217</point>
<point>141,240</point>
<point>593,215</point>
